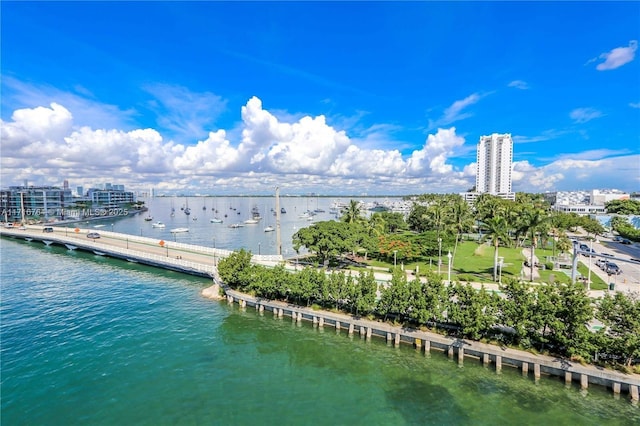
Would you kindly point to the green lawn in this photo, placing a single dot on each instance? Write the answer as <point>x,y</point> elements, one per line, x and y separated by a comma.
<point>474,262</point>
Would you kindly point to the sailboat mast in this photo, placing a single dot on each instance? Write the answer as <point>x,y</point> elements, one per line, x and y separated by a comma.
<point>278,241</point>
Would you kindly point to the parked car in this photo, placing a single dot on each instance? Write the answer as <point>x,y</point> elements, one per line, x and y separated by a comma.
<point>93,235</point>
<point>625,241</point>
<point>47,229</point>
<point>601,263</point>
<point>612,269</point>
<point>617,239</point>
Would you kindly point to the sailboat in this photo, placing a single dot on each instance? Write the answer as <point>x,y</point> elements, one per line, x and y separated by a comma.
<point>187,210</point>
<point>269,228</point>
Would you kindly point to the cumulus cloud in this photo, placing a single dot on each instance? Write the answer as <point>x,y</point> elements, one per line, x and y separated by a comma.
<point>42,144</point>
<point>567,174</point>
<point>519,84</point>
<point>298,153</point>
<point>617,57</point>
<point>634,104</point>
<point>582,115</point>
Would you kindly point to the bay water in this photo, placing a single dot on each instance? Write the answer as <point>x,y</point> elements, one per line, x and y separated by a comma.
<point>91,340</point>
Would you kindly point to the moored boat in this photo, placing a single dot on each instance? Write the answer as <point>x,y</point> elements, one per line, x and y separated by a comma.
<point>179,230</point>
<point>158,225</point>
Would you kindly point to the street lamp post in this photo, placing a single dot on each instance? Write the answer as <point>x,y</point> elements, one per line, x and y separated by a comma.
<point>394,258</point>
<point>589,270</point>
<point>439,254</point>
<point>449,255</point>
<point>259,249</point>
<point>500,263</point>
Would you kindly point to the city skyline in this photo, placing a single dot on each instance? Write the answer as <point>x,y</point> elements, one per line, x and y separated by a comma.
<point>329,98</point>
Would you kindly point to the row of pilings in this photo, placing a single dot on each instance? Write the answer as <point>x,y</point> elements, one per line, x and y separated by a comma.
<point>455,348</point>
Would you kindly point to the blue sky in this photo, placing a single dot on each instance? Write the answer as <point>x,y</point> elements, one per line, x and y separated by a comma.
<point>327,97</point>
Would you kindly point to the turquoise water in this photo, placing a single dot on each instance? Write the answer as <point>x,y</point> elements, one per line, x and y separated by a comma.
<point>90,340</point>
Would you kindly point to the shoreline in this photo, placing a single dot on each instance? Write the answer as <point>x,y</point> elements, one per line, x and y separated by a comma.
<point>425,341</point>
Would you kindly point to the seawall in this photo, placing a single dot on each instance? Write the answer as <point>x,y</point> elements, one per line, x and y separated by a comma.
<point>530,364</point>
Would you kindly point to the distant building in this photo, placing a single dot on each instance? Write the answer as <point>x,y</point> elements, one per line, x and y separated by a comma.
<point>583,202</point>
<point>110,197</point>
<point>19,203</point>
<point>493,167</point>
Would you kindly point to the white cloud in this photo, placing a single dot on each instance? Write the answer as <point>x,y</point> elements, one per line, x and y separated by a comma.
<point>634,104</point>
<point>519,84</point>
<point>305,154</point>
<point>455,112</point>
<point>184,113</point>
<point>617,57</point>
<point>571,174</point>
<point>582,115</point>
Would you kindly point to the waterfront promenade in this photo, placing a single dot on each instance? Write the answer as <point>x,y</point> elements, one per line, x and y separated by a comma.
<point>199,260</point>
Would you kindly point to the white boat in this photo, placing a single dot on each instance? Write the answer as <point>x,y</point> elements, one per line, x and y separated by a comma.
<point>216,220</point>
<point>251,221</point>
<point>178,230</point>
<point>236,225</point>
<point>158,225</point>
<point>99,226</point>
<point>269,229</point>
<point>148,218</point>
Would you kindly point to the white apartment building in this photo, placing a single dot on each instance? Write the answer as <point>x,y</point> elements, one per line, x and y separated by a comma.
<point>494,161</point>
<point>493,167</point>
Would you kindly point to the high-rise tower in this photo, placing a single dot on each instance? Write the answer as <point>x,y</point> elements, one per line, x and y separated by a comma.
<point>494,160</point>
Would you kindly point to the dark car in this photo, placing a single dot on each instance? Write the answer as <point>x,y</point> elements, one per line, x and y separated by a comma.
<point>47,229</point>
<point>93,235</point>
<point>625,241</point>
<point>612,269</point>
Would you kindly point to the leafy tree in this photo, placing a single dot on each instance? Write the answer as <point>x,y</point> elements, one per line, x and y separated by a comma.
<point>543,317</point>
<point>233,269</point>
<point>623,207</point>
<point>591,226</point>
<point>621,314</point>
<point>395,296</point>
<point>326,239</point>
<point>468,310</point>
<point>417,219</point>
<point>517,307</point>
<point>365,293</point>
<point>393,221</point>
<point>574,312</point>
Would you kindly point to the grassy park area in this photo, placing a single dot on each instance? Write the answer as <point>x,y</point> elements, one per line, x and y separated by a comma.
<point>473,262</point>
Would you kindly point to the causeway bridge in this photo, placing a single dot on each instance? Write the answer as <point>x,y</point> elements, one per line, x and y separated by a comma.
<point>187,258</point>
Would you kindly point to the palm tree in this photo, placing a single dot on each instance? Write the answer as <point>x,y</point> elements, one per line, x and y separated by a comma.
<point>460,219</point>
<point>497,229</point>
<point>352,213</point>
<point>535,222</point>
